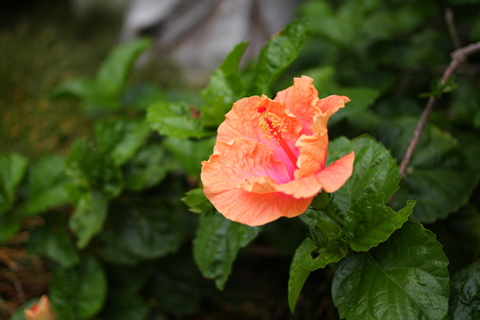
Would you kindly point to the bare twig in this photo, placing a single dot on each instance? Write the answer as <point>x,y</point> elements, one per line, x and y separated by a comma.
<point>458,56</point>
<point>451,28</point>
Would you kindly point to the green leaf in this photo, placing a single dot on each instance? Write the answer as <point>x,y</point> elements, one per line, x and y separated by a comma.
<point>321,201</point>
<point>438,88</point>
<point>308,258</point>
<point>9,226</point>
<point>88,218</point>
<point>125,305</point>
<point>369,221</point>
<point>53,240</point>
<point>147,168</point>
<point>457,282</point>
<point>216,246</point>
<point>141,96</point>
<point>374,170</point>
<point>226,87</point>
<point>146,228</point>
<point>404,277</point>
<point>454,232</point>
<point>191,153</point>
<point>361,99</point>
<point>280,51</point>
<point>298,277</point>
<point>12,169</point>
<point>120,137</point>
<point>81,88</point>
<point>198,202</point>
<point>439,177</point>
<point>114,251</point>
<point>173,288</point>
<point>176,119</point>
<point>44,186</point>
<point>91,169</point>
<point>113,73</point>
<point>467,304</point>
<point>79,292</point>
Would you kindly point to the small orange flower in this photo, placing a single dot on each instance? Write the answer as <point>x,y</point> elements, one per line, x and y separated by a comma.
<point>40,311</point>
<point>269,159</point>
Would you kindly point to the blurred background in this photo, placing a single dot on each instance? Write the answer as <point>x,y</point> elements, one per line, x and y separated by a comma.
<point>385,53</point>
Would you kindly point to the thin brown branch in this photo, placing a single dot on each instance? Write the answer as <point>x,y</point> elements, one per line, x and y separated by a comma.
<point>451,28</point>
<point>458,56</point>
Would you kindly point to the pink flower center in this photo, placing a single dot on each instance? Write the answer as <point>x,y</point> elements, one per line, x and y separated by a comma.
<point>273,127</point>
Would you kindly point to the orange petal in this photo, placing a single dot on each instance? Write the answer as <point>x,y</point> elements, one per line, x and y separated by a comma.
<point>302,101</point>
<point>329,179</point>
<point>240,180</point>
<point>243,121</point>
<point>327,107</point>
<point>313,148</point>
<point>40,311</point>
<point>313,153</point>
<point>255,209</point>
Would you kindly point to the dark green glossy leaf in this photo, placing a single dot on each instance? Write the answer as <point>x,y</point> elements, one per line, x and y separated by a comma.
<point>217,243</point>
<point>198,202</point>
<point>12,169</point>
<point>280,51</point>
<point>191,153</point>
<point>91,169</point>
<point>79,292</point>
<point>439,177</point>
<point>404,277</point>
<point>120,137</point>
<point>177,120</point>
<point>226,87</point>
<point>88,218</point>
<point>308,258</point>
<point>44,186</point>
<point>369,221</point>
<point>173,288</point>
<point>459,280</point>
<point>321,201</point>
<point>53,240</point>
<point>467,304</point>
<point>374,170</point>
<point>147,168</point>
<point>112,75</point>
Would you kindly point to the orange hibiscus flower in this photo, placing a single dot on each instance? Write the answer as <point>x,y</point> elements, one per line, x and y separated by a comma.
<point>270,155</point>
<point>40,311</point>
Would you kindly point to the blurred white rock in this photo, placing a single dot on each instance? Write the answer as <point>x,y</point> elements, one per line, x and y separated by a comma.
<point>196,35</point>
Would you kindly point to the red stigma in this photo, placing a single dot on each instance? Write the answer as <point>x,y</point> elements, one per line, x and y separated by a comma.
<point>261,109</point>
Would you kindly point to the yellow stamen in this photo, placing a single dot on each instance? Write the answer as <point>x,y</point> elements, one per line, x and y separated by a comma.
<point>273,126</point>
